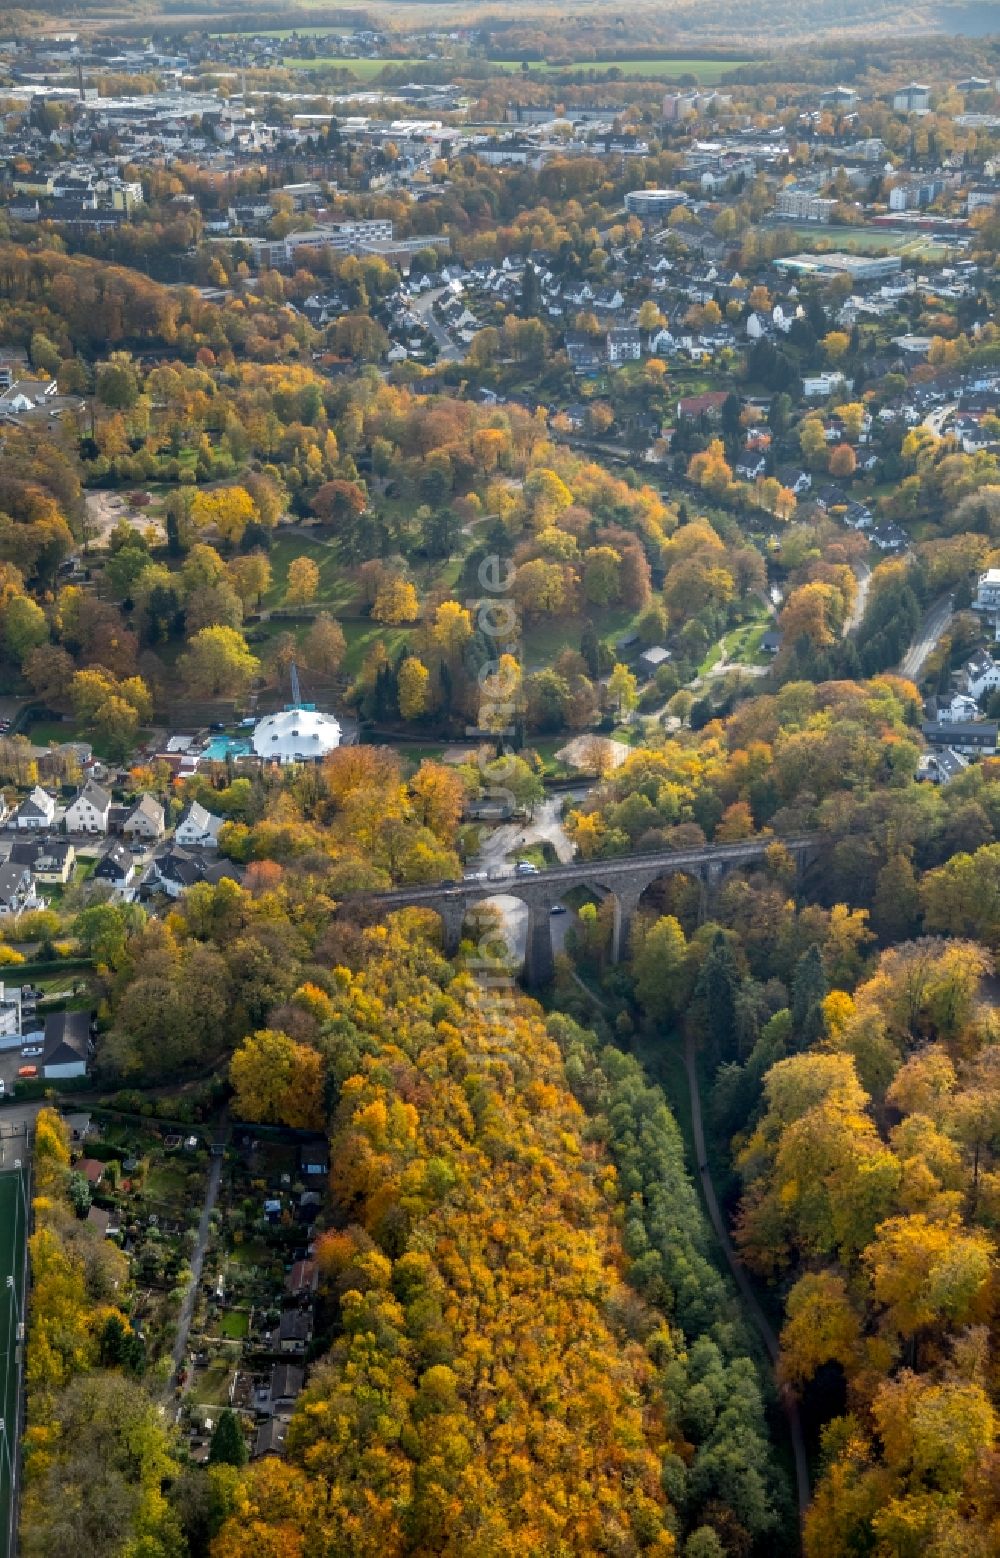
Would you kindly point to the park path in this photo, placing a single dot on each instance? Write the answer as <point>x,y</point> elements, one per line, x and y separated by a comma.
<point>197,1259</point>
<point>763,1326</point>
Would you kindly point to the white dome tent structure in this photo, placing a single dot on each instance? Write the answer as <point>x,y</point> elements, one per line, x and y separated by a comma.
<point>300,733</point>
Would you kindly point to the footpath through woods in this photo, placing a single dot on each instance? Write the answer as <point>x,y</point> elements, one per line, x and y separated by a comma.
<point>763,1326</point>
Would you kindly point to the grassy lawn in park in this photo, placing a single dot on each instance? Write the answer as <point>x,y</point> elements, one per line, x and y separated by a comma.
<point>544,638</point>
<point>743,644</point>
<point>336,589</point>
<point>44,732</point>
<point>362,635</point>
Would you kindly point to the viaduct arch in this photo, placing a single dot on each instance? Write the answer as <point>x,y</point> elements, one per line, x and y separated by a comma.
<point>624,878</point>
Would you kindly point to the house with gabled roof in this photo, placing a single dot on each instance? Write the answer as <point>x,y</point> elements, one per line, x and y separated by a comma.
<point>89,811</point>
<point>198,828</point>
<point>145,821</point>
<point>37,811</point>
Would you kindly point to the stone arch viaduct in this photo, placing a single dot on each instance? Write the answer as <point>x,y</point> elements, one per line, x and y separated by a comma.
<point>624,878</point>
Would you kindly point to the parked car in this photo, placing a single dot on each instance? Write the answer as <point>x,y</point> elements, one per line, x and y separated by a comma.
<point>27,1071</point>
<point>526,868</point>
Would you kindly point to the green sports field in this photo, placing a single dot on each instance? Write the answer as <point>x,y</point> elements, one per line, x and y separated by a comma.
<point>12,1236</point>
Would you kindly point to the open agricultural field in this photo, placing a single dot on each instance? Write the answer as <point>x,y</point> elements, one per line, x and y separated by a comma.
<point>364,70</point>
<point>707,71</point>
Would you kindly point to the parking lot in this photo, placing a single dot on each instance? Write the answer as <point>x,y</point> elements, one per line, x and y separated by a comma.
<point>27,1051</point>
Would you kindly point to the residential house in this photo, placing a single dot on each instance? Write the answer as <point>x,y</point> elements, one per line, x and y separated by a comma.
<point>817,386</point>
<point>284,1388</point>
<point>651,659</point>
<point>294,1332</point>
<point>961,710</point>
<point>981,674</point>
<point>66,1049</point>
<point>198,828</point>
<point>116,866</point>
<point>314,1161</point>
<point>749,466</point>
<point>37,812</point>
<point>624,344</point>
<point>91,1169</point>
<point>662,343</point>
<point>178,870</point>
<point>50,859</point>
<point>859,517</point>
<point>105,1220</point>
<point>796,478</point>
<point>310,1205</point>
<point>303,1279</point>
<point>890,538</point>
<point>586,352</point>
<point>270,1438</point>
<point>145,822</point>
<point>607,300</point>
<point>17,889</point>
<point>88,812</point>
<point>942,766</point>
<point>709,404</point>
<point>977,738</point>
<point>831,497</point>
<point>771,642</point>
<point>988,592</point>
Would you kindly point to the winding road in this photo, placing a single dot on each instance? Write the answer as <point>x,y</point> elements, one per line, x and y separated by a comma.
<point>937,620</point>
<point>761,1323</point>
